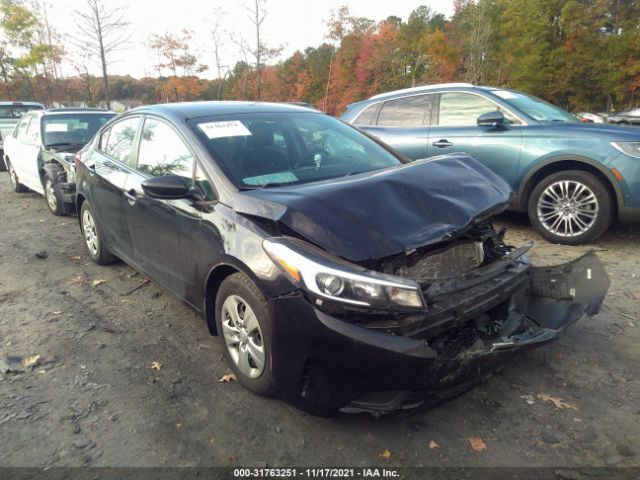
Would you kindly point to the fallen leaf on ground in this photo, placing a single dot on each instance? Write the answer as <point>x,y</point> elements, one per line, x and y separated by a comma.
<point>636,296</point>
<point>77,280</point>
<point>477,444</point>
<point>433,445</point>
<point>98,282</point>
<point>558,402</point>
<point>386,454</point>
<point>228,377</point>
<point>58,312</point>
<point>76,258</point>
<point>156,366</point>
<point>30,361</point>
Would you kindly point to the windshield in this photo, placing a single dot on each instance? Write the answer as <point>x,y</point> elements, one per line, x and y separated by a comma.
<point>73,128</point>
<point>264,150</point>
<point>16,111</point>
<point>535,107</point>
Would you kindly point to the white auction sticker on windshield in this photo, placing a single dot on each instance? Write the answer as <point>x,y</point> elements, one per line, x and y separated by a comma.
<point>56,127</point>
<point>504,94</point>
<point>229,128</point>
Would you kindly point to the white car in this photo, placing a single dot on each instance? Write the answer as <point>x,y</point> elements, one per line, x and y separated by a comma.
<point>40,152</point>
<point>590,117</point>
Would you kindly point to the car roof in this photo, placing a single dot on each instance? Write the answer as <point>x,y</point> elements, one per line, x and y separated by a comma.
<point>52,112</point>
<point>21,104</point>
<point>211,108</point>
<point>423,88</point>
<point>77,110</point>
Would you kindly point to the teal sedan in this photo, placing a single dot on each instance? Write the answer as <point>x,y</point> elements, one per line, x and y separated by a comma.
<point>572,178</point>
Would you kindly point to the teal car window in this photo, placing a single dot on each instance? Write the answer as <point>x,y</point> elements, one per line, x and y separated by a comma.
<point>535,108</point>
<point>406,112</point>
<point>462,109</point>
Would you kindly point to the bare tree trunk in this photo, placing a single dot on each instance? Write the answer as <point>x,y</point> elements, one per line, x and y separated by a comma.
<point>258,52</point>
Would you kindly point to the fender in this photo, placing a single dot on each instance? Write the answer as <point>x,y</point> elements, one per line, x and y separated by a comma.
<point>208,303</point>
<point>518,201</point>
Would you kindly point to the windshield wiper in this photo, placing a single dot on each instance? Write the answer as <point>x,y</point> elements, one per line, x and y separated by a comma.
<point>64,144</point>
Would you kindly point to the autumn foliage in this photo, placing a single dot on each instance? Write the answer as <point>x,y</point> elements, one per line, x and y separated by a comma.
<point>579,54</point>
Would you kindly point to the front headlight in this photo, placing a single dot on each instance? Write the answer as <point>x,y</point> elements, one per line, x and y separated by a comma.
<point>628,148</point>
<point>339,281</point>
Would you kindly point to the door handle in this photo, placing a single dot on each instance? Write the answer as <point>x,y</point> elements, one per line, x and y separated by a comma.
<point>442,143</point>
<point>131,196</point>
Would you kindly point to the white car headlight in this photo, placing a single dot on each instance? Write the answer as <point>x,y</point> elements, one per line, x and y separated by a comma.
<point>628,148</point>
<point>339,281</point>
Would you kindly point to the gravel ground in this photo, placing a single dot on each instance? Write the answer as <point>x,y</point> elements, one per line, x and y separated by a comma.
<point>93,398</point>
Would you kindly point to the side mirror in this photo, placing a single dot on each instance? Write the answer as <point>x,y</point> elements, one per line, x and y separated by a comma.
<point>166,187</point>
<point>491,119</point>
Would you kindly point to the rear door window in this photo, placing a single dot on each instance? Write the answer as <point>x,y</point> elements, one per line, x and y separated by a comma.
<point>121,140</point>
<point>411,111</point>
<point>21,128</point>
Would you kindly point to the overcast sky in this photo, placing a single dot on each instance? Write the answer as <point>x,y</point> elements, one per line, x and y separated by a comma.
<point>295,24</point>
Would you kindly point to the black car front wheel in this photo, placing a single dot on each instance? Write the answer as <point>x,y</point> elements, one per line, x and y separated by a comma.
<point>93,238</point>
<point>244,323</point>
<point>572,207</point>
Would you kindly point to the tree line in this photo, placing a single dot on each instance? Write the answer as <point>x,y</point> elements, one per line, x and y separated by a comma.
<point>579,54</point>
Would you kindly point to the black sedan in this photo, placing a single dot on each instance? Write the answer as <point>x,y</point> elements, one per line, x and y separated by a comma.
<point>339,275</point>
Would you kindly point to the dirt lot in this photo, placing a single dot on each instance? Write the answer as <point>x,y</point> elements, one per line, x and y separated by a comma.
<point>92,398</point>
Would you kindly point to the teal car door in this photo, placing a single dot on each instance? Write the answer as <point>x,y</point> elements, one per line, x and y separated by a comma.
<point>454,128</point>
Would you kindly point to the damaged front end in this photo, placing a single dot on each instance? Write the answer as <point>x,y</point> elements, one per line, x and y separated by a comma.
<point>481,301</point>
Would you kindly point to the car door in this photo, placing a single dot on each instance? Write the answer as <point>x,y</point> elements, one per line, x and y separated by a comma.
<point>29,156</point>
<point>161,230</point>
<point>21,153</point>
<point>455,129</point>
<point>109,165</point>
<point>13,145</point>
<point>402,123</point>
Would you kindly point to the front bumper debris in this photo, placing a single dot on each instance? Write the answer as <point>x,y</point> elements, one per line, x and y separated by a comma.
<point>322,364</point>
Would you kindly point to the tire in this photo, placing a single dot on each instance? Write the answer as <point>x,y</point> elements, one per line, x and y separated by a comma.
<point>16,186</point>
<point>3,166</point>
<point>53,196</point>
<point>93,237</point>
<point>571,207</point>
<point>238,293</point>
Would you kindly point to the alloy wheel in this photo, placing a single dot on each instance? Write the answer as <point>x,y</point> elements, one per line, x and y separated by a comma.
<point>90,232</point>
<point>567,208</point>
<point>243,337</point>
<point>50,195</point>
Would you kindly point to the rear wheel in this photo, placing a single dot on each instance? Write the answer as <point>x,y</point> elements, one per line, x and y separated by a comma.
<point>53,196</point>
<point>13,178</point>
<point>572,207</point>
<point>244,324</point>
<point>93,238</point>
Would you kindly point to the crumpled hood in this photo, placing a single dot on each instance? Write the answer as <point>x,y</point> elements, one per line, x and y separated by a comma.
<point>378,214</point>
